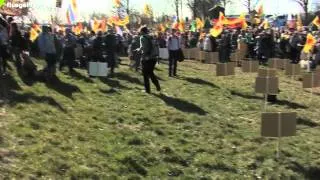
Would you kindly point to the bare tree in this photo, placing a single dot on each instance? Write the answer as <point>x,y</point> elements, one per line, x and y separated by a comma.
<point>225,2</point>
<point>201,8</point>
<point>304,5</point>
<point>248,5</point>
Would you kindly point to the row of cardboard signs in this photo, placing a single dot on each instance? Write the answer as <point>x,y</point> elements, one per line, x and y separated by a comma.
<point>274,124</point>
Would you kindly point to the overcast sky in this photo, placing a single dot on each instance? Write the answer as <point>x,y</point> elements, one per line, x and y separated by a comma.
<point>45,7</point>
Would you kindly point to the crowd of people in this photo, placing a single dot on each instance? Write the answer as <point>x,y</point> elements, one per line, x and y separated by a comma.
<point>58,47</point>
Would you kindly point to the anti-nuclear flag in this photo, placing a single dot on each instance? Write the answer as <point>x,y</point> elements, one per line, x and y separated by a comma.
<point>147,10</point>
<point>117,3</point>
<point>310,43</point>
<point>218,28</point>
<point>316,22</point>
<point>199,23</point>
<point>33,34</point>
<point>181,25</point>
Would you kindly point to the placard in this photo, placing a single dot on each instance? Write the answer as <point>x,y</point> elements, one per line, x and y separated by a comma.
<point>211,57</point>
<point>194,52</point>
<point>267,72</point>
<point>278,124</point>
<point>186,53</point>
<point>201,56</point>
<point>250,66</point>
<point>164,53</point>
<point>98,69</point>
<point>293,69</point>
<point>311,80</point>
<point>267,85</point>
<point>226,69</point>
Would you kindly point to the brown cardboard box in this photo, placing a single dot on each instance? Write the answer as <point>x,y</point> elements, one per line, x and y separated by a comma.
<point>278,124</point>
<point>214,57</point>
<point>267,85</point>
<point>186,53</point>
<point>250,66</point>
<point>277,63</point>
<point>311,80</point>
<point>211,57</point>
<point>267,72</point>
<point>293,69</point>
<point>194,52</point>
<point>225,69</point>
<point>201,56</point>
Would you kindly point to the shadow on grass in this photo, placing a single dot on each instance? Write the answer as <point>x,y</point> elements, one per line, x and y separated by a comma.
<point>182,105</point>
<point>63,88</point>
<point>9,88</point>
<point>126,77</point>
<point>307,122</point>
<point>26,98</point>
<point>109,91</point>
<point>308,172</point>
<point>291,105</point>
<point>79,76</point>
<point>245,96</point>
<point>200,82</point>
<point>113,83</point>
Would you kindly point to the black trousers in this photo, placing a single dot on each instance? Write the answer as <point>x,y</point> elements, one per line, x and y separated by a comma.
<point>69,58</point>
<point>148,73</point>
<point>173,62</point>
<point>3,58</point>
<point>51,60</point>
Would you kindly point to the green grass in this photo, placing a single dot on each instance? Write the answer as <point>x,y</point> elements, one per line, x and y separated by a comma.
<point>204,127</point>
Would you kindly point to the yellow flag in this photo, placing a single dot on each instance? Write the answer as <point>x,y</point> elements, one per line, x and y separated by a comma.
<point>316,22</point>
<point>310,43</point>
<point>33,34</point>
<point>147,10</point>
<point>199,23</point>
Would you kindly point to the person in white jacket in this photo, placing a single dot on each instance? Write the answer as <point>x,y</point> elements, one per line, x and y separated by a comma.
<point>207,44</point>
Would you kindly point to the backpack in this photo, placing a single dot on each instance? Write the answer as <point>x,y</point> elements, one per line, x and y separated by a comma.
<point>154,47</point>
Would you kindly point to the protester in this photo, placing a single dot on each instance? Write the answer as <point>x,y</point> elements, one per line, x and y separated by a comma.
<point>15,37</point>
<point>148,59</point>
<point>4,40</point>
<point>69,56</point>
<point>111,49</point>
<point>173,46</point>
<point>47,47</point>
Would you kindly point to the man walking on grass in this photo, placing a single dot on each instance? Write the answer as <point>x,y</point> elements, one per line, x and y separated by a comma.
<point>148,59</point>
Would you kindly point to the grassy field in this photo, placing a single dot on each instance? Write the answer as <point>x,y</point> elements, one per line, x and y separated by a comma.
<point>200,127</point>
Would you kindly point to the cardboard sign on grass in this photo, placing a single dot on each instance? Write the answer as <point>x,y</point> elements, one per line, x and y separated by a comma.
<point>311,80</point>
<point>186,53</point>
<point>226,69</point>
<point>201,56</point>
<point>267,85</point>
<point>277,63</point>
<point>250,66</point>
<point>278,124</point>
<point>293,69</point>
<point>211,57</point>
<point>194,52</point>
<point>267,72</point>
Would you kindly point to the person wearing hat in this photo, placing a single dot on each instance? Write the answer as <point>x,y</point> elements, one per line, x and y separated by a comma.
<point>148,59</point>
